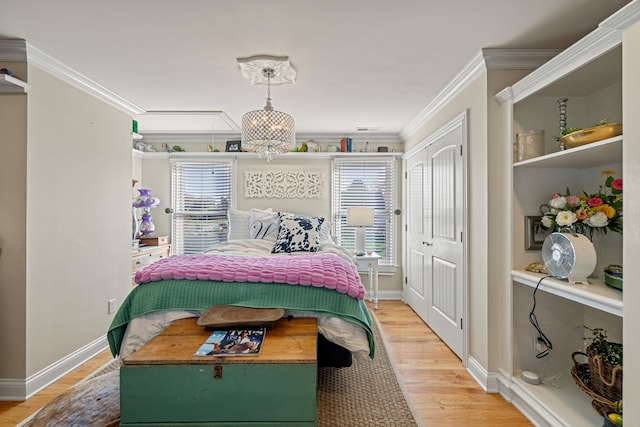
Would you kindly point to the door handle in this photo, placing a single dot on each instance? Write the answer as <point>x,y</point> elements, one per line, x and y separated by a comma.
<point>427,243</point>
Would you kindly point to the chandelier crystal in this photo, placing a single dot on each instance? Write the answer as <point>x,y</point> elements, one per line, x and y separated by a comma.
<point>268,131</point>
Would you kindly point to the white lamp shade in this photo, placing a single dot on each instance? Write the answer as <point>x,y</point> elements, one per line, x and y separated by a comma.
<point>360,217</point>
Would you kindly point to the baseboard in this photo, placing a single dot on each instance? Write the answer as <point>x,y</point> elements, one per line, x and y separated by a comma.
<point>20,390</point>
<point>512,392</point>
<point>387,295</point>
<point>487,380</point>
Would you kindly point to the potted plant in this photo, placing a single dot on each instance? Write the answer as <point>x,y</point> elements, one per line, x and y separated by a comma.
<point>605,365</point>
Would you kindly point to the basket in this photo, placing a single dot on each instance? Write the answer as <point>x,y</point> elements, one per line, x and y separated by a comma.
<point>604,396</point>
<point>581,375</point>
<point>606,379</point>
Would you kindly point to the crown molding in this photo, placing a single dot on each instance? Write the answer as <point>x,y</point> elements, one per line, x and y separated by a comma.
<point>13,50</point>
<point>486,59</point>
<point>626,16</point>
<point>56,68</point>
<point>517,59</point>
<point>595,44</point>
<point>472,70</point>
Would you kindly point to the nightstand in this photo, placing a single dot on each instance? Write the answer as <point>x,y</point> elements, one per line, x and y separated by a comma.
<point>368,263</point>
<point>147,255</point>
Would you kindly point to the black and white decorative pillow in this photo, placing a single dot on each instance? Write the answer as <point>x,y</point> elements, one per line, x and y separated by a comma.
<point>263,224</point>
<point>298,233</point>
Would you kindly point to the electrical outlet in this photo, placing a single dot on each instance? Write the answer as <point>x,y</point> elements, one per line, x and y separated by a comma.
<point>538,343</point>
<point>112,306</point>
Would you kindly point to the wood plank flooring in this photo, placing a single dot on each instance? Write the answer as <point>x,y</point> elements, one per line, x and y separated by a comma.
<point>441,389</point>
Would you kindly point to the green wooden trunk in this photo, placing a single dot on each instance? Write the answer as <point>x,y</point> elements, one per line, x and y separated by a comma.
<point>164,384</point>
<point>243,395</point>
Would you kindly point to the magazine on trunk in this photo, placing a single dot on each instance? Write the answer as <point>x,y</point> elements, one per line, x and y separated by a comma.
<point>233,342</point>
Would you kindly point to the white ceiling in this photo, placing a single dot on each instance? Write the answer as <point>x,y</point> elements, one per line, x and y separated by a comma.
<point>359,63</point>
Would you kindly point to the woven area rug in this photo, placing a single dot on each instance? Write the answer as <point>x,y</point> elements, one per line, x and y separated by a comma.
<point>367,394</point>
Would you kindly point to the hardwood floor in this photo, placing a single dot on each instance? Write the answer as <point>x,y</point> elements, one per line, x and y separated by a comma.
<point>12,413</point>
<point>441,389</point>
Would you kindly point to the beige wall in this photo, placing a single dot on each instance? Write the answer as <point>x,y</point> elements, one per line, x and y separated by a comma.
<point>485,210</point>
<point>13,207</point>
<point>156,174</point>
<point>71,168</point>
<point>472,98</point>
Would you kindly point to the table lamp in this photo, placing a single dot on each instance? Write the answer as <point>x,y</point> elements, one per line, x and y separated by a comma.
<point>360,218</point>
<point>145,201</point>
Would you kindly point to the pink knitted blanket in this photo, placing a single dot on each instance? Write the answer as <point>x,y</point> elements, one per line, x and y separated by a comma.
<point>318,270</point>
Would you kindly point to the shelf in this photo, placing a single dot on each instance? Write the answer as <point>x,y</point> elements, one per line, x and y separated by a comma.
<point>10,84</point>
<point>586,156</point>
<point>136,136</point>
<point>566,405</point>
<point>597,295</point>
<point>292,155</point>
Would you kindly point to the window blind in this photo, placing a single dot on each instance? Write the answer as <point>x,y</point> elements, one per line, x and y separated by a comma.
<point>366,183</point>
<point>201,195</point>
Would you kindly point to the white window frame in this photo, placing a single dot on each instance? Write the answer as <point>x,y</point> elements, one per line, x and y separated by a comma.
<point>385,218</point>
<point>210,233</point>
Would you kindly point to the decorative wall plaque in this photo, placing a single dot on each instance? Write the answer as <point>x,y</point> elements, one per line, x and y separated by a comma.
<point>284,184</point>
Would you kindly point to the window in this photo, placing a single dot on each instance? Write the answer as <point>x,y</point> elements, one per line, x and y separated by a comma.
<point>201,195</point>
<point>367,183</point>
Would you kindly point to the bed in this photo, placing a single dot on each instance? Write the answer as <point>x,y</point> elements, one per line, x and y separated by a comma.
<point>271,260</point>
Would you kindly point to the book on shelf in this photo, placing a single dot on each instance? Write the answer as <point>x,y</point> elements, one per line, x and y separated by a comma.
<point>346,145</point>
<point>233,342</point>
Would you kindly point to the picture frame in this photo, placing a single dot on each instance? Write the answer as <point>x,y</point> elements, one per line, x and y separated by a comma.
<point>233,146</point>
<point>534,233</point>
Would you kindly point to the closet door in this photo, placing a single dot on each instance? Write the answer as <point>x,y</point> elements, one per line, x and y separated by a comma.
<point>435,248</point>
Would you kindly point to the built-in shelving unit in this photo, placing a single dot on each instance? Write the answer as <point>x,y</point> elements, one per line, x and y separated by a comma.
<point>586,156</point>
<point>596,294</point>
<point>589,74</point>
<point>9,84</point>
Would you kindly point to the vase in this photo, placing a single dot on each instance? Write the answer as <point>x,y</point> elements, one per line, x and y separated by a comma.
<point>146,226</point>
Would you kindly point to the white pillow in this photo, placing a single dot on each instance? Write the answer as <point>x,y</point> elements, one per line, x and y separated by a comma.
<point>238,224</point>
<point>325,233</point>
<point>263,224</point>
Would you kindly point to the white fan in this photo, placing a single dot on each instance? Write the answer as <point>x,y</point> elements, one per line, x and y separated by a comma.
<point>569,256</point>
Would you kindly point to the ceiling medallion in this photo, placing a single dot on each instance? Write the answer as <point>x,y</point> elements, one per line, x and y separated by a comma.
<point>253,66</point>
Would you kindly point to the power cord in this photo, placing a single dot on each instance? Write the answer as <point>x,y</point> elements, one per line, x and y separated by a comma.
<point>550,380</point>
<point>534,321</point>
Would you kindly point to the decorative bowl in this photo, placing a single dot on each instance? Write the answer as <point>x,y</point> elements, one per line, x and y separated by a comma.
<point>593,134</point>
<point>613,276</point>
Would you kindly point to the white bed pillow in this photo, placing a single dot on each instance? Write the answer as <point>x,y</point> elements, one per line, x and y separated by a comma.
<point>297,233</point>
<point>238,224</point>
<point>263,224</point>
<point>325,233</point>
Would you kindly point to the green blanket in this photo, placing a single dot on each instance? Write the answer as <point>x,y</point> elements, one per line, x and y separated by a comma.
<point>199,294</point>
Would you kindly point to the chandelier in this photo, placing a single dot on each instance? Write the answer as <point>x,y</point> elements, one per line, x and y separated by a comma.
<point>268,131</point>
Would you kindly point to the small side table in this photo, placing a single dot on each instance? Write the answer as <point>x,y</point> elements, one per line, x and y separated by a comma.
<point>368,263</point>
